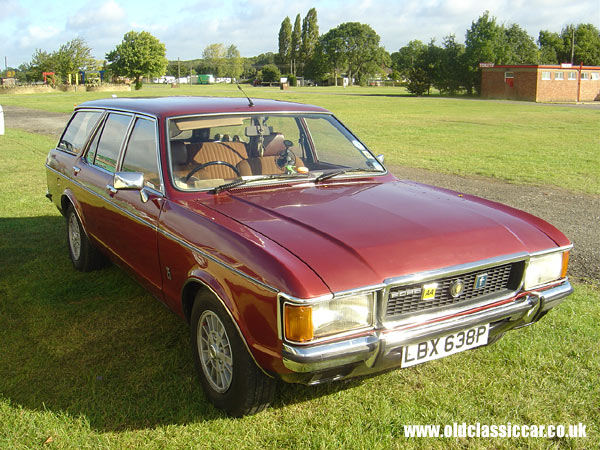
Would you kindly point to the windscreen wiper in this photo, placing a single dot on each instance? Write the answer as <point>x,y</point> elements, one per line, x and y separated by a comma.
<point>240,182</point>
<point>326,176</point>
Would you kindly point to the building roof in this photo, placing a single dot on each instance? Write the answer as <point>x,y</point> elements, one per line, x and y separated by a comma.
<point>541,66</point>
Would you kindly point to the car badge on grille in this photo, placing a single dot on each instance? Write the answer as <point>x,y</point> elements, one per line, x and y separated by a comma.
<point>428,292</point>
<point>480,280</point>
<point>456,288</point>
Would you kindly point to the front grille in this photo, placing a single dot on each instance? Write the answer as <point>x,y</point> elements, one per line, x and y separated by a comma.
<point>407,299</point>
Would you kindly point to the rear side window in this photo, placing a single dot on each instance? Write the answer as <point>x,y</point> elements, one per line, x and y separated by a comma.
<point>78,130</point>
<point>141,154</point>
<point>109,144</point>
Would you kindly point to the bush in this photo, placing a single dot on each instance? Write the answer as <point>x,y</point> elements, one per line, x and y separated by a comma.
<point>270,73</point>
<point>292,79</point>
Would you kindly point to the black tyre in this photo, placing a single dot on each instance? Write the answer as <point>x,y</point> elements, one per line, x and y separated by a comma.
<point>84,255</point>
<point>229,376</point>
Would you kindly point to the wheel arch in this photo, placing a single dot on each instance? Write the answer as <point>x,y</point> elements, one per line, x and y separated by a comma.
<point>189,294</point>
<point>68,199</point>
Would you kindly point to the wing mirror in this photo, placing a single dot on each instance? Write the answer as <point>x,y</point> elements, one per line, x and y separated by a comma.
<point>380,158</point>
<point>128,180</point>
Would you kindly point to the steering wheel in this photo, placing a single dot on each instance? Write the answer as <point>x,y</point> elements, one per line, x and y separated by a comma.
<point>210,163</point>
<point>286,157</point>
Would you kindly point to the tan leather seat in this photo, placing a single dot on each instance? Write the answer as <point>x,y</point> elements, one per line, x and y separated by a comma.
<point>227,152</point>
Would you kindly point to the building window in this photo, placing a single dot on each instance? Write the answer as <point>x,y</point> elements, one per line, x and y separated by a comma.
<point>595,75</point>
<point>559,75</point>
<point>585,75</point>
<point>572,75</point>
<point>508,75</point>
<point>546,76</point>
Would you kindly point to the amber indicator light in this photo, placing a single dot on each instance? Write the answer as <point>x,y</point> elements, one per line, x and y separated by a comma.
<point>565,264</point>
<point>298,323</point>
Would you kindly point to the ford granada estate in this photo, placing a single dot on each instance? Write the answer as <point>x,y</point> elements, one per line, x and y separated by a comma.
<point>288,247</point>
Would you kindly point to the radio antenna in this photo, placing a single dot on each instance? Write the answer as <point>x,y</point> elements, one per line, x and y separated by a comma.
<point>250,102</point>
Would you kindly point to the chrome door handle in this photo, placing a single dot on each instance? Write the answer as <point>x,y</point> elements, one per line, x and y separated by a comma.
<point>76,170</point>
<point>111,189</point>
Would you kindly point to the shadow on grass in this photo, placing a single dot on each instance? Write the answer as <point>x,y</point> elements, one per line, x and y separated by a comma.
<point>95,344</point>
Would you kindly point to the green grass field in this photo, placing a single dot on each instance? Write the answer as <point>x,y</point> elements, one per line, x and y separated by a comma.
<point>519,142</point>
<point>92,361</point>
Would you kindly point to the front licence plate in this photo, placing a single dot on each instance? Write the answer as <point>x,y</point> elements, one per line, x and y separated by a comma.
<point>444,346</point>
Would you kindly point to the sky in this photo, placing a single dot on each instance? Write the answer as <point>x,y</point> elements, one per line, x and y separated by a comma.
<point>186,27</point>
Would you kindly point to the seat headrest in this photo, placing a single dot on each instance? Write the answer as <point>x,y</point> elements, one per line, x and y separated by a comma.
<point>273,144</point>
<point>179,153</point>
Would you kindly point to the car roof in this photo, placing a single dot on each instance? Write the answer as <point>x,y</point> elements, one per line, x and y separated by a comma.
<point>179,106</point>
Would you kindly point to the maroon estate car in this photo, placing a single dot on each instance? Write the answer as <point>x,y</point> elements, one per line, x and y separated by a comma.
<point>288,247</point>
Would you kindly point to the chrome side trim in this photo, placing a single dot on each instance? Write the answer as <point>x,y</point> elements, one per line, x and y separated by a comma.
<point>172,236</point>
<point>215,260</point>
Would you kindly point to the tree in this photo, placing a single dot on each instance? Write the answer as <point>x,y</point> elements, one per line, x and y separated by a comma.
<point>551,46</point>
<point>285,43</point>
<point>423,70</point>
<point>72,57</point>
<point>139,54</point>
<point>586,49</point>
<point>318,67</point>
<point>213,58</point>
<point>309,36</point>
<point>360,45</point>
<point>41,61</point>
<point>295,45</point>
<point>453,67</point>
<point>270,73</point>
<point>519,47</point>
<point>483,43</point>
<point>405,59</point>
<point>333,52</point>
<point>234,63</point>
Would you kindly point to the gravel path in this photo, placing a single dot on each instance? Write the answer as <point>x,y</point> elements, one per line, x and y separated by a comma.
<point>577,215</point>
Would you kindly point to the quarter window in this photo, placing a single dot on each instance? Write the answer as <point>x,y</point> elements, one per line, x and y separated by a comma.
<point>109,143</point>
<point>141,154</point>
<point>78,130</point>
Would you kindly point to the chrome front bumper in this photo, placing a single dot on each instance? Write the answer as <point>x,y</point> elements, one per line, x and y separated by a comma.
<point>382,349</point>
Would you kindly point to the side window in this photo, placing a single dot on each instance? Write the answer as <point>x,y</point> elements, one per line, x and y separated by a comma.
<point>140,155</point>
<point>78,130</point>
<point>113,133</point>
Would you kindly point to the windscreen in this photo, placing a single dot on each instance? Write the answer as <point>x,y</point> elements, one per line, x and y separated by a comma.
<point>207,151</point>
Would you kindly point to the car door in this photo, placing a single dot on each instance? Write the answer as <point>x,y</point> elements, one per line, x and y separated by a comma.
<point>135,239</point>
<point>95,172</point>
<point>124,223</point>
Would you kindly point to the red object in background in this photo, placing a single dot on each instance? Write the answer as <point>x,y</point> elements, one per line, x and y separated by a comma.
<point>510,82</point>
<point>46,74</point>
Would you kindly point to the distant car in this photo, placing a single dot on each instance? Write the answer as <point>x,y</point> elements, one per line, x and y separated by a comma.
<point>286,244</point>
